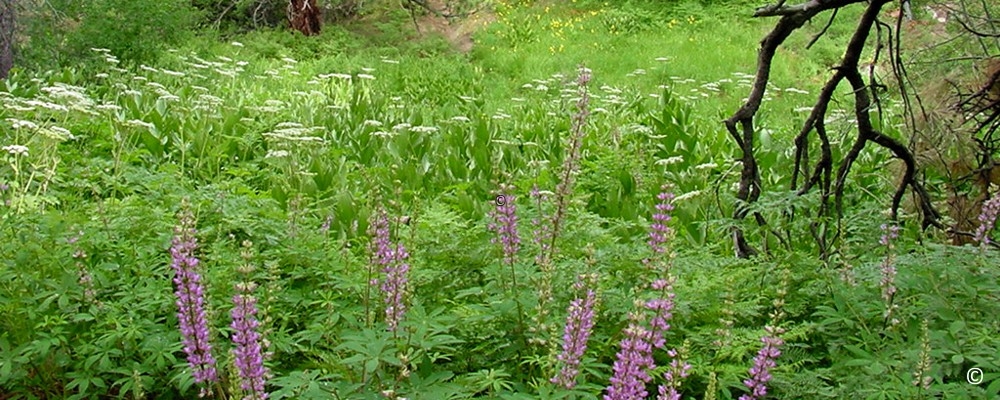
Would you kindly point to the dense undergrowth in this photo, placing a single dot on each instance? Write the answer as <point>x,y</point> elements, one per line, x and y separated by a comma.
<point>335,174</point>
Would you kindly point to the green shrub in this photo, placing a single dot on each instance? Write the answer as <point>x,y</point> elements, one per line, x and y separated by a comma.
<point>134,31</point>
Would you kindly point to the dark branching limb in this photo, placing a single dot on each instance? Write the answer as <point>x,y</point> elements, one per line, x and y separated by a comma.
<point>740,125</point>
<point>976,32</point>
<point>833,17</point>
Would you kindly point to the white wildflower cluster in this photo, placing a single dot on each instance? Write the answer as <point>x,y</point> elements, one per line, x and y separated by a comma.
<point>424,129</point>
<point>56,133</point>
<point>106,53</point>
<point>671,160</point>
<point>687,195</point>
<point>207,102</point>
<point>276,154</point>
<point>371,122</point>
<point>16,149</point>
<point>294,132</point>
<point>460,118</point>
<point>22,124</point>
<point>173,73</point>
<point>271,106</point>
<point>637,72</point>
<point>614,99</point>
<point>711,86</point>
<point>47,105</point>
<point>137,123</point>
<point>334,75</point>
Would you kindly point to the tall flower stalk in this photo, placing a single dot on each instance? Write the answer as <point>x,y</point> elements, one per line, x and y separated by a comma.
<point>191,300</point>
<point>634,362</point>
<point>394,287</point>
<point>547,235</point>
<point>888,271</point>
<point>579,325</point>
<point>507,236</point>
<point>390,259</point>
<point>247,350</point>
<point>760,372</point>
<point>543,283</point>
<point>572,161</point>
<point>505,226</point>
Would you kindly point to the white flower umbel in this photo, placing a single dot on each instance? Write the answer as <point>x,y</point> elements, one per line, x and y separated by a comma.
<point>22,124</point>
<point>16,149</point>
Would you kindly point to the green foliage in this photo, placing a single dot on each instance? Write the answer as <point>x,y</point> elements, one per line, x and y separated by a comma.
<point>272,136</point>
<point>62,32</point>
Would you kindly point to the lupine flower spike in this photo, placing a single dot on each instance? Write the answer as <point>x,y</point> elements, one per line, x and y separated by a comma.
<point>760,372</point>
<point>191,300</point>
<point>247,350</point>
<point>634,361</point>
<point>392,261</point>
<point>888,269</point>
<point>579,325</point>
<point>987,220</point>
<point>505,225</point>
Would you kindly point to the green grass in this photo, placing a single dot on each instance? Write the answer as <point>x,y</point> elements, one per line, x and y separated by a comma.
<point>286,148</point>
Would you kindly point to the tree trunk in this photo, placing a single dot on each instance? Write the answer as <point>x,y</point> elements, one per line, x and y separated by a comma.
<point>6,37</point>
<point>303,15</point>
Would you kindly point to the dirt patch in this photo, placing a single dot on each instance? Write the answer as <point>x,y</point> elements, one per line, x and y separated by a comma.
<point>457,31</point>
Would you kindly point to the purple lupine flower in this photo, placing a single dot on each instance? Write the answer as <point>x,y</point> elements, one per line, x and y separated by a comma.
<point>579,325</point>
<point>632,364</point>
<point>987,219</point>
<point>760,372</point>
<point>191,300</point>
<point>248,354</point>
<point>661,308</point>
<point>676,371</point>
<point>542,232</point>
<point>394,287</point>
<point>659,232</point>
<point>505,225</point>
<point>888,270</point>
<point>381,245</point>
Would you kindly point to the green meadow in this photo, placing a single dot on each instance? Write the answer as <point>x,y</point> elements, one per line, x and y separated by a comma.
<point>412,221</point>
